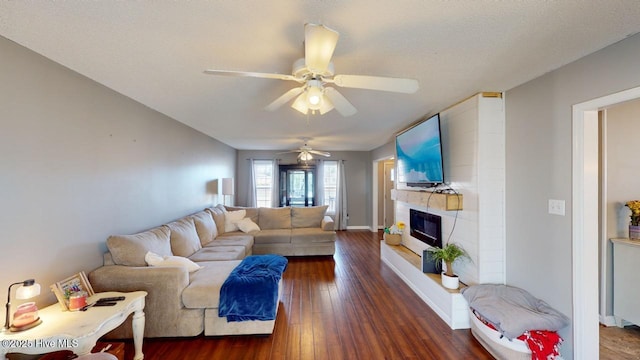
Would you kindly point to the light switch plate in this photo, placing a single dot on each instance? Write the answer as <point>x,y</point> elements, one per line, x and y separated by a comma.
<point>556,207</point>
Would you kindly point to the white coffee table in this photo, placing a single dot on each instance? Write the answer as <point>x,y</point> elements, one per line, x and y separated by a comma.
<point>78,331</point>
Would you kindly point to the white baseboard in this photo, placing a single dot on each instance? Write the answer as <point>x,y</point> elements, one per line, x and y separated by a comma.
<point>608,320</point>
<point>360,227</point>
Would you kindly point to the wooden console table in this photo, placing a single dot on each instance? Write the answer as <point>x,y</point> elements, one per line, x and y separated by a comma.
<point>78,331</point>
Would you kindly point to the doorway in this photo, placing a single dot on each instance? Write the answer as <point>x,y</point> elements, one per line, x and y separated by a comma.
<point>297,185</point>
<point>388,184</point>
<point>585,219</point>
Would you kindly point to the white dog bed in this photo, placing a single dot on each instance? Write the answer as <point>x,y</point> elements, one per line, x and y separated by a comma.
<point>498,346</point>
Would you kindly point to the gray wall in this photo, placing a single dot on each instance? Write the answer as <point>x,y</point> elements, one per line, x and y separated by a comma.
<point>538,147</point>
<point>80,162</point>
<point>358,168</point>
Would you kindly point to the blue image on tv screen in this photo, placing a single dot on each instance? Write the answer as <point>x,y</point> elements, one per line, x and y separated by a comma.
<point>419,153</point>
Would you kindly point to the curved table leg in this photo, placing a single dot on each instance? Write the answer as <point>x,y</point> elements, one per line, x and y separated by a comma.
<point>138,333</point>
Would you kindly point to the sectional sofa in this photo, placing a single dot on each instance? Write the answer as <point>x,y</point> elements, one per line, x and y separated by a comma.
<point>183,264</point>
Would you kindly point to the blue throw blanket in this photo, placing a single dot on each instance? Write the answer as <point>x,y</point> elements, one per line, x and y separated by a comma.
<point>251,290</point>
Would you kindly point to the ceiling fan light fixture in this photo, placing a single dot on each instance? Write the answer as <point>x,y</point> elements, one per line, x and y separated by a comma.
<point>314,94</point>
<point>305,156</point>
<point>301,104</point>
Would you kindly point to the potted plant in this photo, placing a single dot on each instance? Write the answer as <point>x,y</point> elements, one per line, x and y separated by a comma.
<point>448,254</point>
<point>634,226</point>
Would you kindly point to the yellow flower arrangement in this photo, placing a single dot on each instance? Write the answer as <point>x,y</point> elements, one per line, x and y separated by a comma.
<point>634,205</point>
<point>395,229</point>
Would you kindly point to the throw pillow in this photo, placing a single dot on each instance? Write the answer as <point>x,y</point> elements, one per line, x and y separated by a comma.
<point>231,218</point>
<point>154,259</point>
<point>129,250</point>
<point>252,212</point>
<point>246,225</point>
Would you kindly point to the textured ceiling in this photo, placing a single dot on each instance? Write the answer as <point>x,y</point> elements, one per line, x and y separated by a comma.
<point>155,52</point>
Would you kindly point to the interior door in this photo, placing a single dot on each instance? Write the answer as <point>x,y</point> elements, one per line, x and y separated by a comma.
<point>389,208</point>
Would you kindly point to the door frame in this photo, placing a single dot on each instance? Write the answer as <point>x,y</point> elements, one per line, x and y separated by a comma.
<point>584,222</point>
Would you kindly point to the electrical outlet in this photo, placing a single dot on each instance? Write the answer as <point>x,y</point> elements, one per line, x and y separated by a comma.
<point>556,207</point>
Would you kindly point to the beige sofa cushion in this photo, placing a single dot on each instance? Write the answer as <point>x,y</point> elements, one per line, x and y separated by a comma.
<point>274,236</point>
<point>219,253</point>
<point>205,227</point>
<point>184,238</point>
<point>218,217</point>
<point>234,238</point>
<point>274,218</point>
<point>307,217</point>
<point>311,235</point>
<point>130,250</point>
<point>204,285</point>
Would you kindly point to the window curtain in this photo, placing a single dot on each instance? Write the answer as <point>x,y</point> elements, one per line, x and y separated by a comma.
<point>251,191</point>
<point>275,184</point>
<point>341,201</point>
<point>320,182</point>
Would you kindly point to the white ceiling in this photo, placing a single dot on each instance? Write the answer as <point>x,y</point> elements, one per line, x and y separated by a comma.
<point>155,52</point>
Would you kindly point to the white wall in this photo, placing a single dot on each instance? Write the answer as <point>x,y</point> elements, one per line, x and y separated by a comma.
<point>80,162</point>
<point>538,129</point>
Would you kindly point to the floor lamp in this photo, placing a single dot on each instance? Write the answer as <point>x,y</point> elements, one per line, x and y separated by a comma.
<point>227,188</point>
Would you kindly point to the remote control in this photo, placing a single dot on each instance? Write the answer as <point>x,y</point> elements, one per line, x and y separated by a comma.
<point>105,303</point>
<point>110,299</point>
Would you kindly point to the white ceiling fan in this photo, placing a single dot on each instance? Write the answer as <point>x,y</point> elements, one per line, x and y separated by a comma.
<point>306,152</point>
<point>315,71</point>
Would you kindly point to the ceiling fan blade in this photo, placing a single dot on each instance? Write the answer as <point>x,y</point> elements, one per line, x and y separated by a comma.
<point>407,86</point>
<point>253,74</point>
<point>319,44</point>
<point>284,98</point>
<point>288,152</point>
<point>321,153</point>
<point>342,105</point>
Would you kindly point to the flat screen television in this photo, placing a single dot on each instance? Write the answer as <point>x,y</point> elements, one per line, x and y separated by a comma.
<point>419,154</point>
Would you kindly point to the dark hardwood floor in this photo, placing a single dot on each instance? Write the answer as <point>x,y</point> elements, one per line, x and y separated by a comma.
<point>349,306</point>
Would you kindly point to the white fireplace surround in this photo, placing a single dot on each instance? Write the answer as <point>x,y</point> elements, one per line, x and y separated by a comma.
<point>474,148</point>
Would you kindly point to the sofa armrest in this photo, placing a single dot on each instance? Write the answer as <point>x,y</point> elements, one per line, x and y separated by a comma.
<point>164,309</point>
<point>164,285</point>
<point>327,223</point>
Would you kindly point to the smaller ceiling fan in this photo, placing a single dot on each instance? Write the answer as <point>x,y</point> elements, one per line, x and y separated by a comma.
<point>314,72</point>
<point>306,152</point>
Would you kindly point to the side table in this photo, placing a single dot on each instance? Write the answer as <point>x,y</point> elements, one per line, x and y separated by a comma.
<point>78,331</point>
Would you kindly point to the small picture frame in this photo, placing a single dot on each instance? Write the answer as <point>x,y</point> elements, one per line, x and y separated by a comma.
<point>76,283</point>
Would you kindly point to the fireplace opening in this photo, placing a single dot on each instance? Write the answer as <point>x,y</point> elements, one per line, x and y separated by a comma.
<point>426,227</point>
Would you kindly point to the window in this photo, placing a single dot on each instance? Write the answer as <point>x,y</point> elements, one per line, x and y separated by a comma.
<point>263,173</point>
<point>330,185</point>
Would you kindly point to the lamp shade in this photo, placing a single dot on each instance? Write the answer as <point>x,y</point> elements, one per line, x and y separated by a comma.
<point>227,186</point>
<point>28,291</point>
